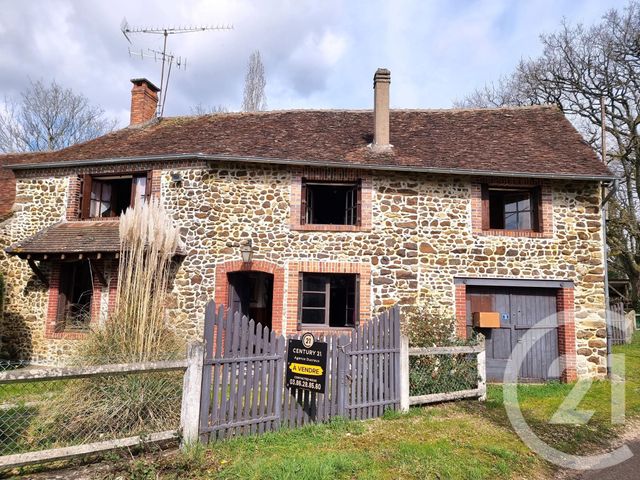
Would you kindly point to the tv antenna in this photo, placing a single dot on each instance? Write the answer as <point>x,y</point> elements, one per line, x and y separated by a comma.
<point>166,58</point>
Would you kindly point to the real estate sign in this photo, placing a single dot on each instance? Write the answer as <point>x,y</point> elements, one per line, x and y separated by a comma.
<point>306,363</point>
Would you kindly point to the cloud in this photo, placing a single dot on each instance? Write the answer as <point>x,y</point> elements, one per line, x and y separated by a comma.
<point>316,54</point>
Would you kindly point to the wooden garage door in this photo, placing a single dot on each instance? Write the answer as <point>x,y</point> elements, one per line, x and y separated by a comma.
<point>521,309</point>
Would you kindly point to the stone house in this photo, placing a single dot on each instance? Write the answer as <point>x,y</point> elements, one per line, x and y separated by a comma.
<point>315,220</point>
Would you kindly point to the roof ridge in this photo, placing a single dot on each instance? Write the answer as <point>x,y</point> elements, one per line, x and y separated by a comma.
<point>356,111</point>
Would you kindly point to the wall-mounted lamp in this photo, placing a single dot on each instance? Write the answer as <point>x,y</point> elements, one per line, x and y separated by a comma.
<point>246,251</point>
<point>176,178</point>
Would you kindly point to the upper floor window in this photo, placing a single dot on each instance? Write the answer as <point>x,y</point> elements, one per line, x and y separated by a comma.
<point>109,196</point>
<point>330,203</point>
<point>511,208</point>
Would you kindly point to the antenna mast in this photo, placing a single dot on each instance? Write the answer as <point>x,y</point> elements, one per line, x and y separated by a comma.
<point>166,58</point>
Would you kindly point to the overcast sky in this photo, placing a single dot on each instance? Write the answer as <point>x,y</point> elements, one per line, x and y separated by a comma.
<point>317,54</point>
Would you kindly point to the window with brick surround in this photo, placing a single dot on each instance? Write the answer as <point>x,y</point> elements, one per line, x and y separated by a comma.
<point>328,300</point>
<point>110,196</point>
<point>75,294</point>
<point>511,209</point>
<point>330,203</point>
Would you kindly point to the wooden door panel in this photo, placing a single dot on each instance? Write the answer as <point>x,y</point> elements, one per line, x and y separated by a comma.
<point>521,309</point>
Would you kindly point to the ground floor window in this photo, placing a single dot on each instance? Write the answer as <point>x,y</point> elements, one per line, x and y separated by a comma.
<point>329,300</point>
<point>75,294</point>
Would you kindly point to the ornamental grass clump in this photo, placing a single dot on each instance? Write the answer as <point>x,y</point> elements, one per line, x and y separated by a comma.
<point>107,407</point>
<point>137,330</point>
<point>437,373</point>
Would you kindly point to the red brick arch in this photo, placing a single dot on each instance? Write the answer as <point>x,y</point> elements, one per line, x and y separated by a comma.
<point>222,285</point>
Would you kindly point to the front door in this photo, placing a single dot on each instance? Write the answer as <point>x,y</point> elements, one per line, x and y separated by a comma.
<point>521,311</point>
<point>251,294</point>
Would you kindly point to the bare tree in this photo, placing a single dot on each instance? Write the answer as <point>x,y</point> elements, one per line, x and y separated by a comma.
<point>201,109</point>
<point>254,98</point>
<point>578,67</point>
<point>49,117</point>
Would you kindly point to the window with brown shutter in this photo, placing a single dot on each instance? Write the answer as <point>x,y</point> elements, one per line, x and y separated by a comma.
<point>110,196</point>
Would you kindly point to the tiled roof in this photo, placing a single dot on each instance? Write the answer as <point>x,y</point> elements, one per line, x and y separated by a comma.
<point>523,141</point>
<point>72,237</point>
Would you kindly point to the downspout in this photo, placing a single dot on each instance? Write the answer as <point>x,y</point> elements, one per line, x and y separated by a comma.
<point>606,196</point>
<point>605,248</point>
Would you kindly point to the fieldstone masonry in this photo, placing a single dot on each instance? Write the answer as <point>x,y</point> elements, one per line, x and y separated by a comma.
<point>419,237</point>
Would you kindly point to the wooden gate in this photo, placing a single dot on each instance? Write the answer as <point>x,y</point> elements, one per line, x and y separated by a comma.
<point>243,383</point>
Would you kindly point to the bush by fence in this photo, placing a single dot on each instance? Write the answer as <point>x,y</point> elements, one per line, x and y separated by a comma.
<point>437,373</point>
<point>442,373</point>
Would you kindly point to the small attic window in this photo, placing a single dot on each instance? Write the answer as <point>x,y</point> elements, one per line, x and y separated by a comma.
<point>330,203</point>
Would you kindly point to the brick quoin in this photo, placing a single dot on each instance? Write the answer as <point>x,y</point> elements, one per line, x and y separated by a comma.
<point>461,310</point>
<point>566,327</point>
<point>567,334</point>
<point>221,296</point>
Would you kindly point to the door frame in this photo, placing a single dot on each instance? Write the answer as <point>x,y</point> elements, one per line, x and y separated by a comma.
<point>221,292</point>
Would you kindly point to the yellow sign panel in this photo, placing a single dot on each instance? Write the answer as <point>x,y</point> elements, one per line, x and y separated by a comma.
<point>303,369</point>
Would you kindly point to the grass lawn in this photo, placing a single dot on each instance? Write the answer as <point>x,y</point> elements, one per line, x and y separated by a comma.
<point>467,440</point>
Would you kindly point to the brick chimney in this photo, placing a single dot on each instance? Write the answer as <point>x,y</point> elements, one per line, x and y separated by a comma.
<point>144,101</point>
<point>381,81</point>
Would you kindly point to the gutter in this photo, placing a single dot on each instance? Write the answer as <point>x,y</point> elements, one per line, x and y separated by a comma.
<point>605,255</point>
<point>303,163</point>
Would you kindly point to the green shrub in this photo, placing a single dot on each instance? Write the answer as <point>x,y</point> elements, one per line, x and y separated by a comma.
<point>437,373</point>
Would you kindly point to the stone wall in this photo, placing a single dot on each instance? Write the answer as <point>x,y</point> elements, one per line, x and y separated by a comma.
<point>39,203</point>
<point>420,238</point>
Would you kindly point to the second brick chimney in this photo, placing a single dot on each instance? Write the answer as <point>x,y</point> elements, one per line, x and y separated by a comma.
<point>144,101</point>
<point>381,81</point>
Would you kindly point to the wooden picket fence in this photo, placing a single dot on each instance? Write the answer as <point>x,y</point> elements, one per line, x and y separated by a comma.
<point>243,377</point>
<point>622,326</point>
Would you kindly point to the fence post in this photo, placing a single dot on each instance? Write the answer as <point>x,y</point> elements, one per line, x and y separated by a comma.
<point>191,394</point>
<point>404,373</point>
<point>279,383</point>
<point>482,375</point>
<point>343,358</point>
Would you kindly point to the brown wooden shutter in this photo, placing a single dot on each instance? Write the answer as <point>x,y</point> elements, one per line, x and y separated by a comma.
<point>485,207</point>
<point>149,186</point>
<point>65,271</point>
<point>303,203</point>
<point>359,203</point>
<point>356,314</point>
<point>85,201</point>
<point>536,209</point>
<point>299,323</point>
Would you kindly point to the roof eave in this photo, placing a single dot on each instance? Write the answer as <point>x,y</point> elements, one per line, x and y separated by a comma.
<point>296,162</point>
